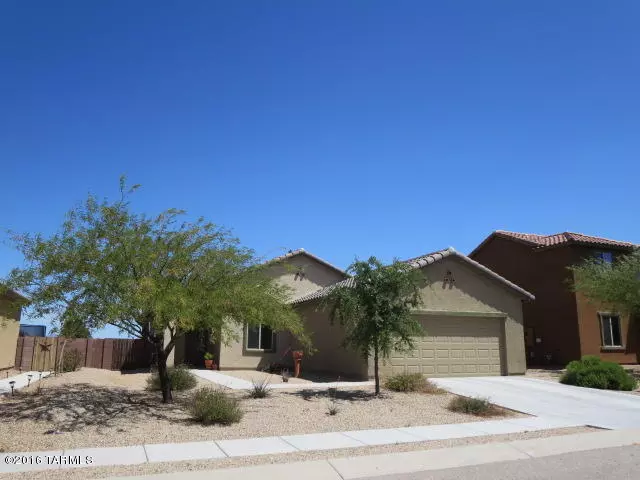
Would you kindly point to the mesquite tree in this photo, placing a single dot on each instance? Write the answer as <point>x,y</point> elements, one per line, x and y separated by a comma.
<point>154,278</point>
<point>616,285</point>
<point>375,307</point>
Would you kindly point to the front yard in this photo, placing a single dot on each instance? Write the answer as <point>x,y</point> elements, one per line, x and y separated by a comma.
<point>554,375</point>
<point>97,408</point>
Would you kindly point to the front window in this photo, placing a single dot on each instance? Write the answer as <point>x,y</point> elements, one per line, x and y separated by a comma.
<point>260,337</point>
<point>606,257</point>
<point>610,330</point>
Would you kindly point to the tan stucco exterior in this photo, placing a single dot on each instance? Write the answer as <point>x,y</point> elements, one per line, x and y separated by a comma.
<point>476,316</point>
<point>315,275</point>
<point>9,329</point>
<point>473,325</point>
<point>474,295</point>
<point>327,338</point>
<point>302,274</point>
<point>492,311</point>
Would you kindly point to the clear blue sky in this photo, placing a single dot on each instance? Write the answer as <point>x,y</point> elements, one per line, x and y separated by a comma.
<point>345,127</point>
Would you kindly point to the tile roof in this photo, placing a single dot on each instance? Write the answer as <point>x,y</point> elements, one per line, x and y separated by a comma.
<point>546,241</point>
<point>302,251</point>
<point>419,262</point>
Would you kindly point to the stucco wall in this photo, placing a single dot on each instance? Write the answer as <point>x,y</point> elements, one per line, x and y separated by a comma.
<point>566,325</point>
<point>589,321</point>
<point>327,338</point>
<point>235,356</point>
<point>314,276</point>
<point>9,329</point>
<point>474,292</point>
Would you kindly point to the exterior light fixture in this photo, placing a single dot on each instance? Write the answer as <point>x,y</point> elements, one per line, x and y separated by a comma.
<point>12,384</point>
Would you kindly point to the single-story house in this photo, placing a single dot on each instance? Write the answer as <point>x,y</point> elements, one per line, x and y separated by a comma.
<point>10,311</point>
<point>472,319</point>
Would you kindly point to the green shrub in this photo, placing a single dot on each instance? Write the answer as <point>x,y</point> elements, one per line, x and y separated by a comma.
<point>333,408</point>
<point>260,389</point>
<point>592,372</point>
<point>411,382</point>
<point>71,360</point>
<point>215,407</point>
<point>474,406</point>
<point>180,377</point>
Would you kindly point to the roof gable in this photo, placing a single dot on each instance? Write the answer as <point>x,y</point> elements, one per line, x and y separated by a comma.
<point>540,242</point>
<point>420,262</point>
<point>303,252</point>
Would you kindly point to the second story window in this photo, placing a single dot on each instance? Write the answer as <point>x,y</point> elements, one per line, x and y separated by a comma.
<point>610,330</point>
<point>606,257</point>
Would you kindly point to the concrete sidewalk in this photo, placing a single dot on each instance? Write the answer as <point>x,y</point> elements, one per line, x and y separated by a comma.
<point>234,383</point>
<point>413,462</point>
<point>173,452</point>
<point>22,380</point>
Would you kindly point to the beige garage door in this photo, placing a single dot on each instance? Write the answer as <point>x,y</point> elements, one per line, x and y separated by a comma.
<point>453,346</point>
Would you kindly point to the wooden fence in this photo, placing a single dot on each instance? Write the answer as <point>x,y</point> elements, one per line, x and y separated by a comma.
<point>45,353</point>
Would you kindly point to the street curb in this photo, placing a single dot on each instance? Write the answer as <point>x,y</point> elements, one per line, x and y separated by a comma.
<point>413,462</point>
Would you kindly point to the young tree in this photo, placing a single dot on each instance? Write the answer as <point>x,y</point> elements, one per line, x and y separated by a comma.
<point>375,309</point>
<point>616,285</point>
<point>154,278</point>
<point>73,327</point>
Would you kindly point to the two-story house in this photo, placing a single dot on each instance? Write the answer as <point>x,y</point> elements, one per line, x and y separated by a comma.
<point>561,325</point>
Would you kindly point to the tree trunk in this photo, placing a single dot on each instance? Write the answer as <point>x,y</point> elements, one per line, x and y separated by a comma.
<point>376,369</point>
<point>165,382</point>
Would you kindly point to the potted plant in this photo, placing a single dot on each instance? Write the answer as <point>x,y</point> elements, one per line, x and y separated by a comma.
<point>208,361</point>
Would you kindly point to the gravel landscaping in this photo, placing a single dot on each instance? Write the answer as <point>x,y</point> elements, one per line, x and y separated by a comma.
<point>99,408</point>
<point>101,472</point>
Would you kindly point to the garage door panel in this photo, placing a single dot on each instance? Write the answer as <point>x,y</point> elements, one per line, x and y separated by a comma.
<point>453,346</point>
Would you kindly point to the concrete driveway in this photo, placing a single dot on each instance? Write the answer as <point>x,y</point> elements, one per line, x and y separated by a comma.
<point>599,408</point>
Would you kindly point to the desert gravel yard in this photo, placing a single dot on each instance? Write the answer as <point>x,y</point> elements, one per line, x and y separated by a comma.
<point>99,408</point>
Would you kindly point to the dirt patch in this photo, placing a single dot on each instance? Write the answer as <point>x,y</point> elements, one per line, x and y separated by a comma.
<point>550,374</point>
<point>99,408</point>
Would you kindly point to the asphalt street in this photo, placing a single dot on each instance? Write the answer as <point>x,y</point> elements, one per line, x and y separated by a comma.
<point>611,463</point>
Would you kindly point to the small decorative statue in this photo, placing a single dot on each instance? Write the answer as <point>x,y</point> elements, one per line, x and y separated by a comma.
<point>297,361</point>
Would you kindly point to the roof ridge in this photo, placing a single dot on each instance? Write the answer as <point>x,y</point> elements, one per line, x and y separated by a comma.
<point>419,262</point>
<point>299,251</point>
<point>598,237</point>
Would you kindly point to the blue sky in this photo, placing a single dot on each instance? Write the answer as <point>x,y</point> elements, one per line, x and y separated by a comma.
<point>344,127</point>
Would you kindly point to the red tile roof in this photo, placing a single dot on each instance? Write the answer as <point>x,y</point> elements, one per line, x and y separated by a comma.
<point>545,241</point>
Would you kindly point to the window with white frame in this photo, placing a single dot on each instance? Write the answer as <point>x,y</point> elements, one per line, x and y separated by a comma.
<point>610,330</point>
<point>260,337</point>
